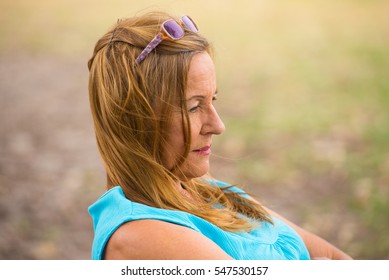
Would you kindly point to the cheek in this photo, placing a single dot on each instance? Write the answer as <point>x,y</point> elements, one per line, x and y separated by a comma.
<point>176,140</point>
<point>195,127</point>
<point>174,147</point>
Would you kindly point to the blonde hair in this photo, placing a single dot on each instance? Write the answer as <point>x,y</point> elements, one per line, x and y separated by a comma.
<point>132,107</point>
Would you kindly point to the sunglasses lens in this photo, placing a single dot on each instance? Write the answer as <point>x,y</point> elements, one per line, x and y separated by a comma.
<point>173,29</point>
<point>189,23</point>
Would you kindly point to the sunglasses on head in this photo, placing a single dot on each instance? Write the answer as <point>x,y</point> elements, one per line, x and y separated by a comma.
<point>170,29</point>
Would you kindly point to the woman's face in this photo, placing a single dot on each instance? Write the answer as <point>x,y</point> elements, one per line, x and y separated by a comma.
<point>204,120</point>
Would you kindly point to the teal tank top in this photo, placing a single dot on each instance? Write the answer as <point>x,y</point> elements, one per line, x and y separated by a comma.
<point>265,242</point>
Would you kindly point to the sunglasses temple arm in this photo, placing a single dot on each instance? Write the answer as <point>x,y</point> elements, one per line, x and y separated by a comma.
<point>151,46</point>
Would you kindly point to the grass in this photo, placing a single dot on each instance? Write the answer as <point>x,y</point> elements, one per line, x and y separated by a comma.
<point>304,93</point>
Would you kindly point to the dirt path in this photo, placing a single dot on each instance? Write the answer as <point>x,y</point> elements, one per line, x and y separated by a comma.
<point>48,159</point>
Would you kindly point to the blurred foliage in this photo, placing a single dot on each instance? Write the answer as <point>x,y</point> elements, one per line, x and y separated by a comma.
<point>304,94</point>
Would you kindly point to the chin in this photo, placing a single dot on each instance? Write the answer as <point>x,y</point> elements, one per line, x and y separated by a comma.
<point>192,172</point>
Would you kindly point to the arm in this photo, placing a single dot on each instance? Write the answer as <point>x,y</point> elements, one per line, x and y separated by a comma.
<point>318,248</point>
<point>158,240</point>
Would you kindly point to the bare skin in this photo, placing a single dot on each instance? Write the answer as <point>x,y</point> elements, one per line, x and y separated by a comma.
<point>166,241</point>
<point>153,239</point>
<point>318,247</point>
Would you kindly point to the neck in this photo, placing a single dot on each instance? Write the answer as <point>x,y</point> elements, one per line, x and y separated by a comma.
<point>109,182</point>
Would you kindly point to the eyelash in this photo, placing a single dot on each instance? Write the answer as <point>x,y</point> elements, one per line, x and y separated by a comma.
<point>195,108</point>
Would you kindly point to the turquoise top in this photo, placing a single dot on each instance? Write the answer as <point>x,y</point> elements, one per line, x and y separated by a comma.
<point>265,242</point>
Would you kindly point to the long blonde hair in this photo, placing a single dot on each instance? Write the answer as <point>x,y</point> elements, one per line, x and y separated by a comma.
<point>132,107</point>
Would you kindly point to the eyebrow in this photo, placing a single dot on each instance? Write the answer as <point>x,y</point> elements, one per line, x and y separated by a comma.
<point>200,96</point>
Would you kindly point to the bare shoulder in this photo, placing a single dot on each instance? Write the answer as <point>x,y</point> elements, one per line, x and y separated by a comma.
<point>153,239</point>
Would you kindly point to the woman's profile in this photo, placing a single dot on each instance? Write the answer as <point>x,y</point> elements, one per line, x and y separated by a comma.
<point>152,88</point>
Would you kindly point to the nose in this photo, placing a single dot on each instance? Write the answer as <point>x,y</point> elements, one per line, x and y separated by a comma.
<point>213,123</point>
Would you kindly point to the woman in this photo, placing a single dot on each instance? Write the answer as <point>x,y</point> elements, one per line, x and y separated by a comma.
<point>152,86</point>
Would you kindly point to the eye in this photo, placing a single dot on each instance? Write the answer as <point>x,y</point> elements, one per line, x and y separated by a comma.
<point>194,109</point>
<point>193,106</point>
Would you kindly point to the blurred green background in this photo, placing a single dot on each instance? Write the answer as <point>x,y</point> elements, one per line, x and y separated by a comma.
<point>304,94</point>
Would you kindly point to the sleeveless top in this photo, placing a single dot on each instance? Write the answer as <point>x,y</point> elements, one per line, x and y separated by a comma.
<point>264,242</point>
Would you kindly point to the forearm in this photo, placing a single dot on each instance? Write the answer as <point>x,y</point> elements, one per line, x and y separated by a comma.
<point>318,247</point>
<point>321,249</point>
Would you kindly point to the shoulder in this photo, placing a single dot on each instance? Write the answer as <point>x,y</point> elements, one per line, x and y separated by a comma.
<point>154,239</point>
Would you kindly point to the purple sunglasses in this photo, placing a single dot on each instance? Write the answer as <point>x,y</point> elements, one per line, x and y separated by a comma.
<point>170,29</point>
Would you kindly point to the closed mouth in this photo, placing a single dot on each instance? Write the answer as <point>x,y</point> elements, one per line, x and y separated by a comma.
<point>206,150</point>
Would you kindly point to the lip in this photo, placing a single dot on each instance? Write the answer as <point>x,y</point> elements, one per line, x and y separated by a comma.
<point>204,151</point>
